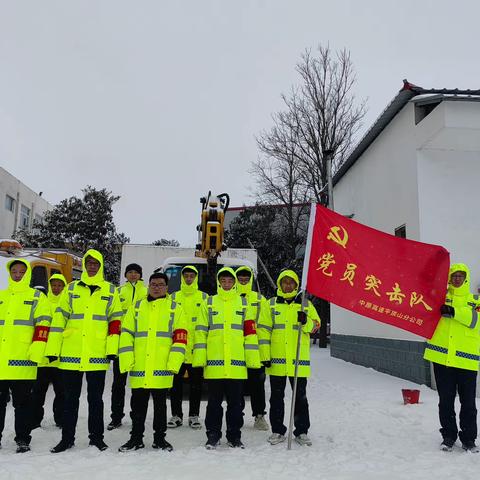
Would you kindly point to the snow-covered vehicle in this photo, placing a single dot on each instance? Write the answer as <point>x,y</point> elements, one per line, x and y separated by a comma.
<point>44,262</point>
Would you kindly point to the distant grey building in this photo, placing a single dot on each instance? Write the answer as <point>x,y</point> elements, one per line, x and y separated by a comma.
<point>20,206</point>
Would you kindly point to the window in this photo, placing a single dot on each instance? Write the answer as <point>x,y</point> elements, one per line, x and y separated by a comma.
<point>423,110</point>
<point>401,231</point>
<point>9,203</point>
<point>38,218</point>
<point>24,216</point>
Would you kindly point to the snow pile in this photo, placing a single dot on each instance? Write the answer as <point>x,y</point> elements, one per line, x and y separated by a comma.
<point>360,429</point>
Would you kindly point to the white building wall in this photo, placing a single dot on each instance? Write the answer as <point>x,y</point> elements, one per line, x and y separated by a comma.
<point>426,176</point>
<point>448,184</point>
<point>22,195</point>
<point>380,189</point>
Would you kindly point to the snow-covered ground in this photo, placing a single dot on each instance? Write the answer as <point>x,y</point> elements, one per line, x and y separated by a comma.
<point>360,429</point>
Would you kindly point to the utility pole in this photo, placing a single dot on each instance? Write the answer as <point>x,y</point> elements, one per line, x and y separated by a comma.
<point>324,305</point>
<point>328,155</point>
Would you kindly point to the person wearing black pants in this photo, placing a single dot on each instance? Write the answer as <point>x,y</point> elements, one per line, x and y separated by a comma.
<point>233,391</point>
<point>449,381</point>
<point>453,350</point>
<point>277,405</point>
<point>72,381</point>
<point>195,378</point>
<point>255,386</point>
<point>84,338</point>
<point>130,293</point>
<point>21,403</point>
<point>139,406</point>
<point>118,396</point>
<point>45,376</point>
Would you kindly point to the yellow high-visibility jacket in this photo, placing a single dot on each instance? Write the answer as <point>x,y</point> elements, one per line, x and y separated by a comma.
<point>54,301</point>
<point>225,336</point>
<point>153,342</point>
<point>190,298</point>
<point>259,306</point>
<point>456,341</point>
<point>281,328</point>
<point>25,318</point>
<point>130,294</point>
<point>86,324</point>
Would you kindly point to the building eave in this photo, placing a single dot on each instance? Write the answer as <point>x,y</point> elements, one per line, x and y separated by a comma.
<point>407,93</point>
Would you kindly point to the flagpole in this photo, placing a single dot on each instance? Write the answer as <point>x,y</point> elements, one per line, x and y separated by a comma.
<point>295,378</point>
<point>308,247</point>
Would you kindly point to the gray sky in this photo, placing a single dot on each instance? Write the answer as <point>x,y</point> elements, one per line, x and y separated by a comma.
<point>160,101</point>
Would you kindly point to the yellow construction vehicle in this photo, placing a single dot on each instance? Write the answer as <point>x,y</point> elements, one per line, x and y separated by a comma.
<point>45,262</point>
<point>210,233</point>
<point>211,229</point>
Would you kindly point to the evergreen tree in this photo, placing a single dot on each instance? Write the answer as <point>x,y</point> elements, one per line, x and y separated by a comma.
<point>79,224</point>
<point>163,242</point>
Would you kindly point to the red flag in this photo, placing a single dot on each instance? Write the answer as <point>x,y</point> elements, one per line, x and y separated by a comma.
<point>393,280</point>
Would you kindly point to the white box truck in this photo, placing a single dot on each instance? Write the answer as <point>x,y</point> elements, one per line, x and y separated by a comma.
<point>171,260</point>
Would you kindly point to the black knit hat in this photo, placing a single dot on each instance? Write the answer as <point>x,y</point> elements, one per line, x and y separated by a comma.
<point>136,267</point>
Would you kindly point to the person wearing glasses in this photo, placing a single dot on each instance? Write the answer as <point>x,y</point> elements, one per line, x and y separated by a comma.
<point>152,350</point>
<point>454,352</point>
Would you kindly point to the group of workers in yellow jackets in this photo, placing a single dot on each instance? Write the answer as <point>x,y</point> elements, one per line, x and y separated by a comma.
<point>153,337</point>
<point>227,339</point>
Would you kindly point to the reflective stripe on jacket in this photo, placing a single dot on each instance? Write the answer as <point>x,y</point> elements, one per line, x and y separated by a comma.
<point>24,326</point>
<point>225,338</point>
<point>191,305</point>
<point>130,294</point>
<point>280,329</point>
<point>152,343</point>
<point>456,340</point>
<point>259,307</point>
<point>80,329</point>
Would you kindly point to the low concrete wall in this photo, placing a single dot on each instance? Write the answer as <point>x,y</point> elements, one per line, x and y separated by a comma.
<point>400,358</point>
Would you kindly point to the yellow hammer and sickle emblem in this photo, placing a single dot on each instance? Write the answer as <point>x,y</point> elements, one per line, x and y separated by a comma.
<point>334,235</point>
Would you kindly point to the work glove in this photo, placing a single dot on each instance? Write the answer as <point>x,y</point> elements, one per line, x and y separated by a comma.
<point>51,358</point>
<point>302,318</point>
<point>447,311</point>
<point>111,357</point>
<point>267,363</point>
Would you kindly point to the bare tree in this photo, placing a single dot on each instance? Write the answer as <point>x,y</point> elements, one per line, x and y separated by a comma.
<point>279,181</point>
<point>321,115</point>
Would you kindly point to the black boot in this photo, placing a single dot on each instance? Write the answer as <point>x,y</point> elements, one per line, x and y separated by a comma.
<point>62,446</point>
<point>162,444</point>
<point>114,424</point>
<point>132,444</point>
<point>22,447</point>
<point>236,443</point>
<point>469,446</point>
<point>99,443</point>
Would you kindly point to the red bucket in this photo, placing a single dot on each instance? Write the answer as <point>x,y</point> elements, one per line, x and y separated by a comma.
<point>410,396</point>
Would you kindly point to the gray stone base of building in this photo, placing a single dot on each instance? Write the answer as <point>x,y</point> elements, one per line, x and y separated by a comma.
<point>400,358</point>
